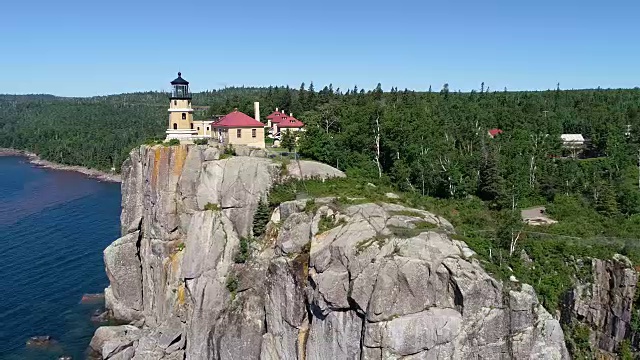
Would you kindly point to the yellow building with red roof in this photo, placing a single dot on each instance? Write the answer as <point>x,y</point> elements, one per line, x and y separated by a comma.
<point>237,128</point>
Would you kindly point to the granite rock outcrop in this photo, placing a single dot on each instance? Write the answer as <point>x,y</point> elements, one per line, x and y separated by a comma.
<point>332,281</point>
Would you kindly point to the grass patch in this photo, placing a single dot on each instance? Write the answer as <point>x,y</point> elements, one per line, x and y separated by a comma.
<point>282,193</point>
<point>425,225</point>
<point>378,240</point>
<point>172,142</point>
<point>212,207</point>
<point>311,206</point>
<point>180,246</point>
<point>343,189</point>
<point>405,233</point>
<point>327,223</point>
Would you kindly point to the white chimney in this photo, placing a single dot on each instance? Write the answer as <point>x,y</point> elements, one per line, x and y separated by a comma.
<point>276,109</point>
<point>291,114</point>
<point>256,110</point>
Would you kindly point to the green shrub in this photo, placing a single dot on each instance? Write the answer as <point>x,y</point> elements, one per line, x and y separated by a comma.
<point>328,222</point>
<point>625,350</point>
<point>310,207</point>
<point>180,247</point>
<point>232,285</point>
<point>284,163</point>
<point>201,141</point>
<point>172,142</point>
<point>243,253</point>
<point>282,193</point>
<point>153,141</point>
<point>576,336</point>
<point>212,207</point>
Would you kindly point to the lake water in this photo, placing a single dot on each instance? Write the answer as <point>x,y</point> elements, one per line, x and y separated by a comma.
<point>54,226</point>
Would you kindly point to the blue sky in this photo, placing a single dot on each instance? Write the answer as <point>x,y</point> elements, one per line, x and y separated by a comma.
<point>84,48</point>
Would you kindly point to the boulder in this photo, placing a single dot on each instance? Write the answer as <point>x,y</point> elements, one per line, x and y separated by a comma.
<point>304,169</point>
<point>124,295</point>
<point>40,341</point>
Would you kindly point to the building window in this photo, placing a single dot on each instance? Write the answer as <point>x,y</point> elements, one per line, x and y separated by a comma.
<point>184,116</point>
<point>175,126</point>
<point>253,132</point>
<point>239,133</point>
<point>189,103</point>
<point>175,102</point>
<point>198,128</point>
<point>207,128</point>
<point>191,126</point>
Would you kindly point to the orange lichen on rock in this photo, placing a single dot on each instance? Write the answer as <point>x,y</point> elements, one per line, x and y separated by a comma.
<point>179,158</point>
<point>156,165</point>
<point>181,294</point>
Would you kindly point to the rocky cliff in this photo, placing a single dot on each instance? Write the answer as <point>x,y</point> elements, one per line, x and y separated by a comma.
<point>603,302</point>
<point>333,280</point>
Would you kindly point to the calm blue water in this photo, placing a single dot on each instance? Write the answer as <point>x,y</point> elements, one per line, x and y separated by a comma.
<point>53,228</point>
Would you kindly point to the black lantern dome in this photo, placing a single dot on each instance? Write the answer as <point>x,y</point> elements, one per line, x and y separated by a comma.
<point>180,88</point>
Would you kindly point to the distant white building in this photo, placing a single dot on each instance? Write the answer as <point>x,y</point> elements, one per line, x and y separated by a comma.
<point>573,142</point>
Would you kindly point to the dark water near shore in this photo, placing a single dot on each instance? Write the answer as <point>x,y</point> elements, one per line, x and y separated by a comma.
<point>53,228</point>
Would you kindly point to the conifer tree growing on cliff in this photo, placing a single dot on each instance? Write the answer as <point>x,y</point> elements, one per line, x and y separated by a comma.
<point>261,218</point>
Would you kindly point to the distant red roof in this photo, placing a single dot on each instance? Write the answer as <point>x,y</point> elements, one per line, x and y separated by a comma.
<point>237,119</point>
<point>290,122</point>
<point>278,116</point>
<point>494,132</point>
<point>275,114</point>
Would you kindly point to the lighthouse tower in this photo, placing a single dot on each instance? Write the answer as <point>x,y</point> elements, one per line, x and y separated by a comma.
<point>180,111</point>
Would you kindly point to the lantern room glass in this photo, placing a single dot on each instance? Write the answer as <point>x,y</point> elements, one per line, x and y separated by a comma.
<point>181,92</point>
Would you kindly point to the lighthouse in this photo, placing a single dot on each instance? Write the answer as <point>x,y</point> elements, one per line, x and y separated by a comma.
<point>180,111</point>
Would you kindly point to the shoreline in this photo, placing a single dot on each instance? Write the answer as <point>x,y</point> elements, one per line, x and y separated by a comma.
<point>37,161</point>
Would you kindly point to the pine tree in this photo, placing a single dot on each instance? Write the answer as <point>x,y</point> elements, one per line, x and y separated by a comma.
<point>606,203</point>
<point>491,187</point>
<point>261,218</point>
<point>302,98</point>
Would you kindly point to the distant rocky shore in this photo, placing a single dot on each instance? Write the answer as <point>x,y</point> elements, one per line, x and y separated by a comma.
<point>36,160</point>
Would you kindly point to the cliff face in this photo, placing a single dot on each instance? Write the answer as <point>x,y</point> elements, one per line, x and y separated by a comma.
<point>603,302</point>
<point>329,281</point>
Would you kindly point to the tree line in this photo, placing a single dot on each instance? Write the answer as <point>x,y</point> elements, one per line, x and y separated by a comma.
<point>433,143</point>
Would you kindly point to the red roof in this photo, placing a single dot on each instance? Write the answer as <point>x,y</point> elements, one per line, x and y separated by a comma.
<point>237,119</point>
<point>274,114</point>
<point>290,122</point>
<point>494,132</point>
<point>278,116</point>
